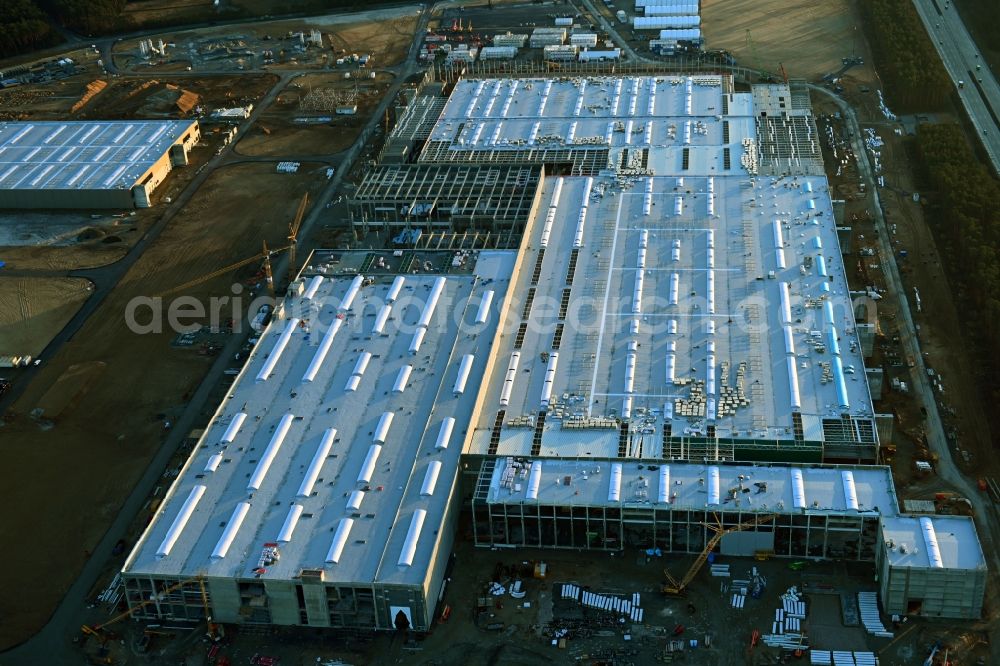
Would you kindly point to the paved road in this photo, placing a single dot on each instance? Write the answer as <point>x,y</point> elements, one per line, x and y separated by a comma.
<point>627,51</point>
<point>986,519</point>
<point>961,57</point>
<point>52,645</point>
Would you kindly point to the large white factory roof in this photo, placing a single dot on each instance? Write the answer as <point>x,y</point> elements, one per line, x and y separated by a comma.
<point>699,297</point>
<point>948,542</point>
<point>340,439</point>
<point>84,155</point>
<point>682,486</point>
<point>671,115</point>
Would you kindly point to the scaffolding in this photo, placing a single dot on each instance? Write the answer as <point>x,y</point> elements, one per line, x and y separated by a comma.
<point>446,198</point>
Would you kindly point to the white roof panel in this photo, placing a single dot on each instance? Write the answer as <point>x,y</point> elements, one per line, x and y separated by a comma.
<point>83,155</point>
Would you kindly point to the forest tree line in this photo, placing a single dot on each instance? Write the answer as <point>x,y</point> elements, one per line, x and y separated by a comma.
<point>24,27</point>
<point>966,224</point>
<point>27,25</point>
<point>907,59</point>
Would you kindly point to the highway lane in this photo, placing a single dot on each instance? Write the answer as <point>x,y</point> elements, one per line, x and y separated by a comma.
<point>961,58</point>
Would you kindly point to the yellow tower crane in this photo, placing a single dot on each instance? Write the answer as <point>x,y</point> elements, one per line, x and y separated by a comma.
<point>678,587</point>
<point>293,233</point>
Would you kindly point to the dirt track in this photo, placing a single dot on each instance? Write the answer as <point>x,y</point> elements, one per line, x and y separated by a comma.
<point>102,433</point>
<point>33,310</point>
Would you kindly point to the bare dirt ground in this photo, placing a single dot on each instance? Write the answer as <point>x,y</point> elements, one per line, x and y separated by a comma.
<point>106,394</point>
<point>54,228</point>
<point>285,136</point>
<point>808,37</point>
<point>131,98</point>
<point>385,34</point>
<point>516,632</point>
<point>33,310</point>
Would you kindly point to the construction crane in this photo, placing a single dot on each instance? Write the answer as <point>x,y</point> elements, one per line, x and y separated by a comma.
<point>784,74</point>
<point>264,256</point>
<point>99,631</point>
<point>293,233</point>
<point>678,587</point>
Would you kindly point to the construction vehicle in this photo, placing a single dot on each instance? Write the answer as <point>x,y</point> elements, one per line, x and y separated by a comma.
<point>674,587</point>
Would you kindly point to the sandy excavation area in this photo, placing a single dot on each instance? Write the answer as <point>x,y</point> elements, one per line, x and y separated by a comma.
<point>34,310</point>
<point>810,38</point>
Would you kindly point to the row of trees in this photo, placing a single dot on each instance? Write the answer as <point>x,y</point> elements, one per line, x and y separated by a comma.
<point>915,78</point>
<point>23,28</point>
<point>967,228</point>
<point>90,17</point>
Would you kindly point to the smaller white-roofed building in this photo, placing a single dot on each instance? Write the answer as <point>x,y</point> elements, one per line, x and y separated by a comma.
<point>663,504</point>
<point>90,164</point>
<point>932,566</point>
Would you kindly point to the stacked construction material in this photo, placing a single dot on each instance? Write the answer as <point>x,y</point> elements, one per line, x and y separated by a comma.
<point>720,570</point>
<point>870,616</point>
<point>630,608</point>
<point>842,658</point>
<point>786,629</point>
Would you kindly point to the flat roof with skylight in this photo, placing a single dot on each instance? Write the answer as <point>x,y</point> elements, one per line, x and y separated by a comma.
<point>687,300</point>
<point>339,442</point>
<point>935,542</point>
<point>84,155</point>
<point>827,490</point>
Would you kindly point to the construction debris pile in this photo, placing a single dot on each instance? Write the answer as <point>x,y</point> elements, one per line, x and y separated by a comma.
<point>752,586</point>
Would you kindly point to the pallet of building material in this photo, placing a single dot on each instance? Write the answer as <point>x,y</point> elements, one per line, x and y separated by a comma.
<point>843,658</point>
<point>865,659</point>
<point>786,641</point>
<point>738,600</point>
<point>795,609</point>
<point>871,617</point>
<point>720,570</point>
<point>793,624</point>
<point>821,657</point>
<point>570,591</point>
<point>636,600</point>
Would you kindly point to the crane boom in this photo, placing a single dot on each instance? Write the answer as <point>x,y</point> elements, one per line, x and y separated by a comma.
<point>293,234</point>
<point>673,586</point>
<point>96,629</point>
<point>266,254</point>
